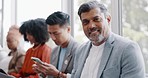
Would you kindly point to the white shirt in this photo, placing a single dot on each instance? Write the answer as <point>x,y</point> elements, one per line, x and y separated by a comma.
<point>3,54</point>
<point>92,63</point>
<point>4,63</point>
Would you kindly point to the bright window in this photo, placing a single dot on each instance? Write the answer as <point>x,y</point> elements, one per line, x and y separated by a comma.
<point>135,24</point>
<point>18,11</point>
<point>30,9</point>
<point>0,21</point>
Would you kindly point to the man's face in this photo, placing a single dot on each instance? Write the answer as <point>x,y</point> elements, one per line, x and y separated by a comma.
<point>12,42</point>
<point>58,34</point>
<point>95,25</point>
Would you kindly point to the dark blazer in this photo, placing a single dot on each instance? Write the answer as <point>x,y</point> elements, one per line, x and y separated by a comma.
<point>121,58</point>
<point>3,74</point>
<point>2,71</point>
<point>68,59</point>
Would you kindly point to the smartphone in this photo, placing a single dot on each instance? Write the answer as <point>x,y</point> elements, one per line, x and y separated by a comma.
<point>36,60</point>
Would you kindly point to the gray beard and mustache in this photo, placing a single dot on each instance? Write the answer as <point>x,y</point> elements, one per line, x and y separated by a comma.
<point>95,35</point>
<point>98,38</point>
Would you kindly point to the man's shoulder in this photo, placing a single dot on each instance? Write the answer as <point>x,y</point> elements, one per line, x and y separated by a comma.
<point>84,46</point>
<point>55,48</point>
<point>122,43</point>
<point>73,42</point>
<point>123,40</point>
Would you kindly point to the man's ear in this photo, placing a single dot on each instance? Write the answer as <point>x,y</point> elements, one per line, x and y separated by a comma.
<point>69,29</point>
<point>108,17</point>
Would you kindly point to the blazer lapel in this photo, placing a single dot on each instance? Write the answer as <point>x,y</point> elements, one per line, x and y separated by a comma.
<point>54,57</point>
<point>106,54</point>
<point>83,57</point>
<point>66,62</point>
<point>68,55</point>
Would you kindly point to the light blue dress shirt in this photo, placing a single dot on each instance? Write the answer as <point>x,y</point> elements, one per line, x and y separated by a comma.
<point>61,58</point>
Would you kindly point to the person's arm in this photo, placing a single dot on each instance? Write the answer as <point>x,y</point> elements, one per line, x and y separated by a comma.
<point>48,69</point>
<point>52,71</point>
<point>132,63</point>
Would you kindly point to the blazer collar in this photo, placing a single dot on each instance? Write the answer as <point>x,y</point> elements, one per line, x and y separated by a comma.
<point>69,47</point>
<point>68,54</point>
<point>83,57</point>
<point>105,56</point>
<point>106,53</point>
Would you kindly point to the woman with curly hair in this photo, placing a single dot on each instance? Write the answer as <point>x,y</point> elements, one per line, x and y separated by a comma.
<point>34,31</point>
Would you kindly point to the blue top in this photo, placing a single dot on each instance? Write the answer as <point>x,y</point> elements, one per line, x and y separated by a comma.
<point>61,58</point>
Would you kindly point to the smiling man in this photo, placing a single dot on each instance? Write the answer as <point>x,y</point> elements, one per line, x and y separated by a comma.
<point>106,55</point>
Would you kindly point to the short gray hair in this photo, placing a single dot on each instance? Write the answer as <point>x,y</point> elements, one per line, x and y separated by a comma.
<point>86,7</point>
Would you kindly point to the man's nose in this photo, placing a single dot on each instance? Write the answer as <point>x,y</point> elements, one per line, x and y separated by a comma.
<point>52,37</point>
<point>91,24</point>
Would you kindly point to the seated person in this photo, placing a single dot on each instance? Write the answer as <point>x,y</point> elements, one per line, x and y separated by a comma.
<point>17,53</point>
<point>63,55</point>
<point>34,31</point>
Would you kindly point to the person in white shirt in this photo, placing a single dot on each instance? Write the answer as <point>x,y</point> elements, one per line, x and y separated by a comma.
<point>106,55</point>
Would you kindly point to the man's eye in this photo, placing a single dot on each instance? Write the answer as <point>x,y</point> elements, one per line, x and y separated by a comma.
<point>97,19</point>
<point>56,33</point>
<point>85,22</point>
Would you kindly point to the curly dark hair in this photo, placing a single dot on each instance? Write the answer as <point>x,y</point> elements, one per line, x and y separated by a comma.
<point>37,28</point>
<point>22,30</point>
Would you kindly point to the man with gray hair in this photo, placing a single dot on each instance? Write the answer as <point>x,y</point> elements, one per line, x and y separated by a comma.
<point>106,55</point>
